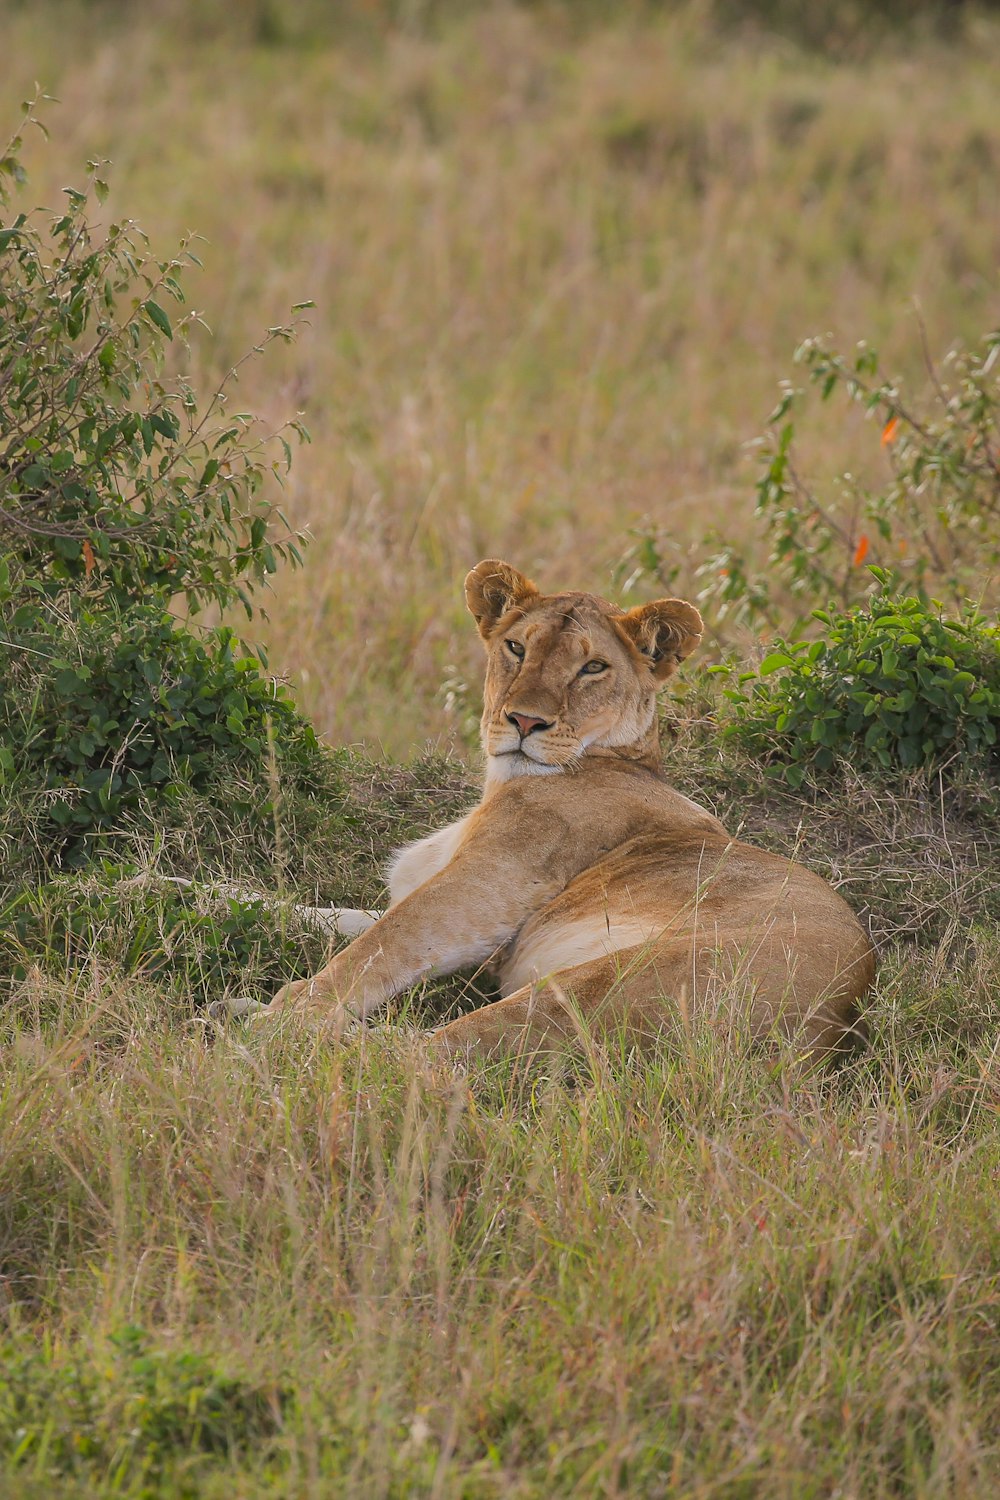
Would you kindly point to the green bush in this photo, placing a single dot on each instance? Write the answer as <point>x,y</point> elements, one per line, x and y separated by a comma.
<point>938,517</point>
<point>121,489</point>
<point>106,712</point>
<point>893,685</point>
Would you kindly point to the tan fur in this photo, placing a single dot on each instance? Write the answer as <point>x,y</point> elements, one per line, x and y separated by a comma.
<point>608,901</point>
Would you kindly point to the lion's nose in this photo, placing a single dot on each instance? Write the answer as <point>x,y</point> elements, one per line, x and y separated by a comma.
<point>526,724</point>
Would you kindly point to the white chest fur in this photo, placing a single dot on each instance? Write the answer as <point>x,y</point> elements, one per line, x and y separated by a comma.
<point>412,865</point>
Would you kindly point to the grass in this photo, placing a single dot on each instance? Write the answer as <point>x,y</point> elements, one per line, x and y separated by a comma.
<point>560,261</point>
<point>298,1269</point>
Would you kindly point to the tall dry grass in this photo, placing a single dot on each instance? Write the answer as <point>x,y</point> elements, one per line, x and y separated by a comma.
<point>304,1270</point>
<point>558,271</point>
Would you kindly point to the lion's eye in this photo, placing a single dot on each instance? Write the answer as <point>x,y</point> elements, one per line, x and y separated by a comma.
<point>591,668</point>
<point>515,648</point>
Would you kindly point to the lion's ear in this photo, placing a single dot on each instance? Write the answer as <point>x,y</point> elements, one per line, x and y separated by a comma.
<point>493,588</point>
<point>665,631</point>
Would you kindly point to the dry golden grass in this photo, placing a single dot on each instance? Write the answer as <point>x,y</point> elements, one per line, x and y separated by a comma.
<point>312,1270</point>
<point>558,271</point>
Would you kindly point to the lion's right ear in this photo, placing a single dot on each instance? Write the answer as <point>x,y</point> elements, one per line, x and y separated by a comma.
<point>493,588</point>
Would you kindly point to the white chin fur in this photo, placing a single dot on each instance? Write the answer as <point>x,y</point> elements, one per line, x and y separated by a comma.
<point>509,767</point>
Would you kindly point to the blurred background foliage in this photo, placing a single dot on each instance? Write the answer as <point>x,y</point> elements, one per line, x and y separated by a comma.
<point>844,23</point>
<point>561,255</point>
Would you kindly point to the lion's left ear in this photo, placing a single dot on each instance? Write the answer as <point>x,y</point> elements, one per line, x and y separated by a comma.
<point>665,632</point>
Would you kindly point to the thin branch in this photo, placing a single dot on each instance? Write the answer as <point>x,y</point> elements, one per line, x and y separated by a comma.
<point>929,364</point>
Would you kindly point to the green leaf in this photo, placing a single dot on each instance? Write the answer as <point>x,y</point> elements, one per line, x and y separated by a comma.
<point>774,663</point>
<point>69,681</point>
<point>165,423</point>
<point>156,315</point>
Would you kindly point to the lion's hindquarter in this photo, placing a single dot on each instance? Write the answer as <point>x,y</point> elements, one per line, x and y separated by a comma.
<point>696,917</point>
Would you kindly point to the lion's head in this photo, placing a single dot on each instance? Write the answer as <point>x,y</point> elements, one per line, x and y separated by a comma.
<point>570,674</point>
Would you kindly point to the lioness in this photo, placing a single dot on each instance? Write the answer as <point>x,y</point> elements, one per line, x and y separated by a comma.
<point>607,900</point>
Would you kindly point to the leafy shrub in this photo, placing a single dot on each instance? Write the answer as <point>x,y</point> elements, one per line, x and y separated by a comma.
<point>106,712</point>
<point>200,942</point>
<point>938,519</point>
<point>893,685</point>
<point>113,473</point>
<point>119,490</point>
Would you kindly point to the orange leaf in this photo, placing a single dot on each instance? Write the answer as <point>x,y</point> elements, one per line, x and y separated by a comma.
<point>88,557</point>
<point>861,552</point>
<point>889,431</point>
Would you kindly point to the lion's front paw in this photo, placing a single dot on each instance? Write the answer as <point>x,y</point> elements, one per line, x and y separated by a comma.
<point>297,995</point>
<point>309,1001</point>
<point>300,998</point>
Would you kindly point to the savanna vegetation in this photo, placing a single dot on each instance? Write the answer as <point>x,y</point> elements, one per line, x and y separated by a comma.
<point>532,278</point>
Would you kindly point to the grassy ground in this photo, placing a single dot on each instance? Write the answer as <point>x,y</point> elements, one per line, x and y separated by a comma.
<point>295,1268</point>
<point>559,267</point>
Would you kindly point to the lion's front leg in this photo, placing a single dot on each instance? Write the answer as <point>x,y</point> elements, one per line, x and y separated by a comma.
<point>334,996</point>
<point>460,916</point>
